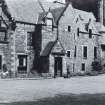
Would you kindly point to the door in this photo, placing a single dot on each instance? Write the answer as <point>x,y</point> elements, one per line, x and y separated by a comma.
<point>22,63</point>
<point>58,67</point>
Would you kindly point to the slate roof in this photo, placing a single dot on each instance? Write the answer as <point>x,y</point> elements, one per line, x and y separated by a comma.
<point>56,12</point>
<point>27,10</point>
<point>99,27</point>
<point>48,48</point>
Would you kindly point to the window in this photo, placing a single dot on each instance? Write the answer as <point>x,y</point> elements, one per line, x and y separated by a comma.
<point>75,51</point>
<point>29,39</point>
<point>95,52</point>
<point>68,53</point>
<point>85,52</point>
<point>3,36</point>
<point>49,23</point>
<point>0,23</point>
<point>74,36</point>
<point>0,62</point>
<point>69,28</point>
<point>103,47</point>
<point>22,63</point>
<point>73,67</point>
<point>90,33</point>
<point>78,32</point>
<point>83,66</point>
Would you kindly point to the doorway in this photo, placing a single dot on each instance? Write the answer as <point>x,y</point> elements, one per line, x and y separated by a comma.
<point>58,67</point>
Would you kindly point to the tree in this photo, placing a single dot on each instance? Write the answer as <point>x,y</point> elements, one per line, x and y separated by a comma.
<point>96,66</point>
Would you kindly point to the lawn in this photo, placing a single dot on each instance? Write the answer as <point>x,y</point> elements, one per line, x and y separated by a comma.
<point>59,91</point>
<point>70,99</point>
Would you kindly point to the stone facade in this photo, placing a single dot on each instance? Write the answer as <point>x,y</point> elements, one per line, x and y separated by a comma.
<point>23,45</point>
<point>78,36</point>
<point>64,41</point>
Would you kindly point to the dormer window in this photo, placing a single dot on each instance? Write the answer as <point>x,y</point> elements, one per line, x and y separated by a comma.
<point>49,21</point>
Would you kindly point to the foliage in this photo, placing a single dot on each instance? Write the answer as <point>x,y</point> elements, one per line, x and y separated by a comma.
<point>5,68</point>
<point>96,66</point>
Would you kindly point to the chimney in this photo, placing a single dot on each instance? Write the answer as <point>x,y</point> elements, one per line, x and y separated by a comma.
<point>68,1</point>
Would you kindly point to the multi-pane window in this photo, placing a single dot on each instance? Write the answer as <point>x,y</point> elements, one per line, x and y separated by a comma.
<point>29,39</point>
<point>0,62</point>
<point>90,33</point>
<point>69,28</point>
<point>83,66</point>
<point>68,54</point>
<point>73,67</point>
<point>78,32</point>
<point>85,52</point>
<point>49,23</point>
<point>75,51</point>
<point>95,52</point>
<point>3,36</point>
<point>22,63</point>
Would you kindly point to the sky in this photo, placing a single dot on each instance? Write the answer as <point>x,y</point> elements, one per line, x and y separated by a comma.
<point>87,5</point>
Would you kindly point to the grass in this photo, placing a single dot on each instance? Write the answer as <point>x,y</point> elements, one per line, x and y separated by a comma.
<point>70,99</point>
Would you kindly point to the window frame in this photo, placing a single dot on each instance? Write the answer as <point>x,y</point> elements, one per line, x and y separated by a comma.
<point>68,53</point>
<point>69,28</point>
<point>29,38</point>
<point>75,51</point>
<point>90,33</point>
<point>85,52</point>
<point>83,67</point>
<point>21,67</point>
<point>51,19</point>
<point>1,62</point>
<point>95,52</point>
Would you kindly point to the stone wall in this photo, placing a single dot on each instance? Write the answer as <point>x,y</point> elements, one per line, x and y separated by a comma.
<point>21,46</point>
<point>47,36</point>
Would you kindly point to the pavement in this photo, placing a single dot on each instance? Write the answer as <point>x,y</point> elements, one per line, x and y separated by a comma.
<point>15,90</point>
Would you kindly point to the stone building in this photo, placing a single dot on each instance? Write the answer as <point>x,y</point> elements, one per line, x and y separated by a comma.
<point>17,28</point>
<point>48,38</point>
<point>20,35</point>
<point>70,40</point>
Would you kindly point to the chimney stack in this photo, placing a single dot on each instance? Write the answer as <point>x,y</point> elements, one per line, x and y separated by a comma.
<point>68,1</point>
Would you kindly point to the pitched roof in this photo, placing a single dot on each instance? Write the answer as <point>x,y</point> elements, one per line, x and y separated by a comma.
<point>48,48</point>
<point>55,12</point>
<point>58,12</point>
<point>27,10</point>
<point>85,15</point>
<point>24,10</point>
<point>52,47</point>
<point>100,27</point>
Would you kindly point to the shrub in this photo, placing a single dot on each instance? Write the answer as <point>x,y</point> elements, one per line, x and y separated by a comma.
<point>96,66</point>
<point>5,68</point>
<point>92,73</point>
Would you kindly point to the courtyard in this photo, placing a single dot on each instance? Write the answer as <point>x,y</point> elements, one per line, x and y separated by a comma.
<point>15,90</point>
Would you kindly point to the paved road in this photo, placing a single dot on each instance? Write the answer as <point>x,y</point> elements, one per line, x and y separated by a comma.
<point>31,90</point>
